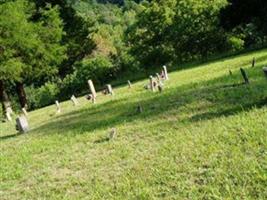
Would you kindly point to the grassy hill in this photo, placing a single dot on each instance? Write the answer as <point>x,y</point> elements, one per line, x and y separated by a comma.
<point>202,138</point>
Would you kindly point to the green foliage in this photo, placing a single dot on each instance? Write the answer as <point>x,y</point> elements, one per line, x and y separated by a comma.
<point>30,50</point>
<point>43,96</point>
<point>177,30</point>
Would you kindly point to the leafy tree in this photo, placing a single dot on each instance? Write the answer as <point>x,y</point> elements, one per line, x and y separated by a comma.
<point>30,51</point>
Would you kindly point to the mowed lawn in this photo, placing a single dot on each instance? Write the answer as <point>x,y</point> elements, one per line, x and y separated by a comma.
<point>201,138</point>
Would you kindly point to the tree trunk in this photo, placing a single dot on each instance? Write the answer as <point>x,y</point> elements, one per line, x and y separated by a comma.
<point>3,97</point>
<point>21,94</point>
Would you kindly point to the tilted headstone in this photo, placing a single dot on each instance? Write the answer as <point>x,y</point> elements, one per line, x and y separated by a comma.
<point>22,124</point>
<point>92,90</point>
<point>58,107</point>
<point>109,89</point>
<point>265,71</point>
<point>253,62</point>
<point>151,83</point>
<point>74,100</point>
<point>24,111</point>
<point>129,84</point>
<point>244,75</point>
<point>166,76</point>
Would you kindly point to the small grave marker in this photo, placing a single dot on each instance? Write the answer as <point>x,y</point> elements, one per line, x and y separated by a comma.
<point>244,75</point>
<point>9,110</point>
<point>165,71</point>
<point>8,116</point>
<point>92,90</point>
<point>139,109</point>
<point>22,124</point>
<point>24,111</point>
<point>58,107</point>
<point>129,84</point>
<point>109,89</point>
<point>112,134</point>
<point>74,100</point>
<point>265,71</point>
<point>253,62</point>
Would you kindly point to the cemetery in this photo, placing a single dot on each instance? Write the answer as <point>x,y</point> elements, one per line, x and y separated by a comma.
<point>136,130</point>
<point>133,99</point>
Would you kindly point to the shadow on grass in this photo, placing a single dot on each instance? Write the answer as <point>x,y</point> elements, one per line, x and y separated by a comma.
<point>219,101</point>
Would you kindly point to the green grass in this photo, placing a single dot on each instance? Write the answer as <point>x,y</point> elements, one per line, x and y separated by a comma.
<point>199,139</point>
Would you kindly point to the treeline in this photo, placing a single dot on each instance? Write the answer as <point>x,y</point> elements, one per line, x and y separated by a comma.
<point>50,48</point>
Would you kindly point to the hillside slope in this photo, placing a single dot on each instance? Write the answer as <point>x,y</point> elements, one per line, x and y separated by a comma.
<point>201,138</point>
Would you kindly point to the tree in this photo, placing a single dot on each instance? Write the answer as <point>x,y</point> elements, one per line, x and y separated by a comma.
<point>30,51</point>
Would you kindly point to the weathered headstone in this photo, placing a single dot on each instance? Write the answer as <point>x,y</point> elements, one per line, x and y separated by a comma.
<point>92,90</point>
<point>166,76</point>
<point>109,89</point>
<point>74,100</point>
<point>151,83</point>
<point>58,107</point>
<point>22,124</point>
<point>265,71</point>
<point>129,84</point>
<point>24,111</point>
<point>9,110</point>
<point>244,75</point>
<point>253,62</point>
<point>139,109</point>
<point>112,134</point>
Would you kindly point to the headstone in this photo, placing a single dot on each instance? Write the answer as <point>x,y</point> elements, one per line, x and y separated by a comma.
<point>22,124</point>
<point>8,116</point>
<point>244,75</point>
<point>9,110</point>
<point>139,109</point>
<point>166,76</point>
<point>58,107</point>
<point>265,71</point>
<point>253,62</point>
<point>92,90</point>
<point>160,87</point>
<point>74,100</point>
<point>24,111</point>
<point>109,89</point>
<point>151,83</point>
<point>129,84</point>
<point>158,77</point>
<point>112,134</point>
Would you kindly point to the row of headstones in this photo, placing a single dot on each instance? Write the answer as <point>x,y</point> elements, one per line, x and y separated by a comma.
<point>157,81</point>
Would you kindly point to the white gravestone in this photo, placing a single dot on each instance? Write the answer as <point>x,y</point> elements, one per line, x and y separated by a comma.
<point>109,89</point>
<point>74,100</point>
<point>25,111</point>
<point>92,90</point>
<point>129,84</point>
<point>8,117</point>
<point>22,124</point>
<point>58,107</point>
<point>166,76</point>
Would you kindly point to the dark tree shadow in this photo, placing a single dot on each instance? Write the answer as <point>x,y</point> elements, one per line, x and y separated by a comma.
<point>223,101</point>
